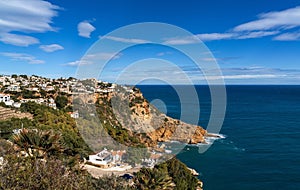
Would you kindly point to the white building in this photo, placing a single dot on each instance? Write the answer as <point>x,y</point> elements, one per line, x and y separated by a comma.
<point>13,88</point>
<point>74,114</point>
<point>4,98</point>
<point>17,104</point>
<point>102,159</point>
<point>52,103</point>
<point>117,155</point>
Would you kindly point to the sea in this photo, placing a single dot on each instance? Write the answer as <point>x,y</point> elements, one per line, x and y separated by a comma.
<point>261,129</point>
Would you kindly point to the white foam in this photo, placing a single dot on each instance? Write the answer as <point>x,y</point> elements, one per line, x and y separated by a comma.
<point>218,135</point>
<point>211,140</point>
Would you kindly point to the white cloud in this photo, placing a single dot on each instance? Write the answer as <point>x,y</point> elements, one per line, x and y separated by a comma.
<point>125,40</point>
<point>78,62</point>
<point>215,36</point>
<point>103,56</point>
<point>33,16</point>
<point>18,40</point>
<point>22,57</point>
<point>164,53</point>
<point>267,24</point>
<point>258,34</point>
<point>51,47</point>
<point>288,37</point>
<point>94,58</point>
<point>218,36</point>
<point>85,29</point>
<point>285,19</point>
<point>209,59</point>
<point>250,76</point>
<point>238,77</point>
<point>182,40</point>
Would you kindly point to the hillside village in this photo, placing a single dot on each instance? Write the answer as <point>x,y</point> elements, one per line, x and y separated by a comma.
<point>77,98</point>
<point>16,90</point>
<point>48,106</point>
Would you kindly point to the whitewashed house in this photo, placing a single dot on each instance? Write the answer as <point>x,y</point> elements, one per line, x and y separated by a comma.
<point>6,99</point>
<point>17,104</point>
<point>52,103</point>
<point>15,88</point>
<point>102,159</point>
<point>74,114</point>
<point>117,155</point>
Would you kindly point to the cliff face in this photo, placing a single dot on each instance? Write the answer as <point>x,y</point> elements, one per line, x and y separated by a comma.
<point>175,130</point>
<point>135,113</point>
<point>128,109</point>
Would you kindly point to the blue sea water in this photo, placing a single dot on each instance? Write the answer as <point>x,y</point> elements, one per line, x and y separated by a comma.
<point>262,127</point>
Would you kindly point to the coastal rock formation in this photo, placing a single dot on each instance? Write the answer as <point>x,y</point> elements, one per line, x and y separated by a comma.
<point>178,131</point>
<point>135,113</point>
<point>125,107</point>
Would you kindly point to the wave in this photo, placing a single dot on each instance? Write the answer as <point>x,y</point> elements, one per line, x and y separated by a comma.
<point>217,135</point>
<point>214,137</point>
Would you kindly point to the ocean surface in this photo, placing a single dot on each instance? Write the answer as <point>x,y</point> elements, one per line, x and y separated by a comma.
<point>262,128</point>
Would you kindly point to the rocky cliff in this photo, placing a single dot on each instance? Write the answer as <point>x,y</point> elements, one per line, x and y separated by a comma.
<point>135,113</point>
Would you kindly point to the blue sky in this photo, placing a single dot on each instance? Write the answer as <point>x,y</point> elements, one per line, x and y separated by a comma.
<point>255,42</point>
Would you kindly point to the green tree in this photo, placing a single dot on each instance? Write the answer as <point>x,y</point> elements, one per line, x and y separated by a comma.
<point>23,173</point>
<point>61,102</point>
<point>154,179</point>
<point>43,93</point>
<point>181,175</point>
<point>37,143</point>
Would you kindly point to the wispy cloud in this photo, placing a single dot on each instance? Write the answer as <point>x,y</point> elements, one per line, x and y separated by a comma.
<point>85,29</point>
<point>252,75</point>
<point>124,40</point>
<point>94,58</point>
<point>291,36</point>
<point>285,19</point>
<point>241,77</point>
<point>219,59</point>
<point>267,24</point>
<point>216,36</point>
<point>277,20</point>
<point>22,57</point>
<point>25,16</point>
<point>260,73</point>
<point>103,56</point>
<point>182,40</point>
<point>51,47</point>
<point>18,40</point>
<point>164,53</point>
<point>78,63</point>
<point>257,34</point>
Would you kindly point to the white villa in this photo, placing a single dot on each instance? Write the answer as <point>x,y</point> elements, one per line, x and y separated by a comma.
<point>102,159</point>
<point>6,99</point>
<point>106,159</point>
<point>52,103</point>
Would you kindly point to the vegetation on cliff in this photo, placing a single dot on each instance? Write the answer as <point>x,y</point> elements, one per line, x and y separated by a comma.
<point>47,153</point>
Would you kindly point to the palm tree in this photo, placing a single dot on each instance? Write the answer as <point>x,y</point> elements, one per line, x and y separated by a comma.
<point>154,179</point>
<point>37,143</point>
